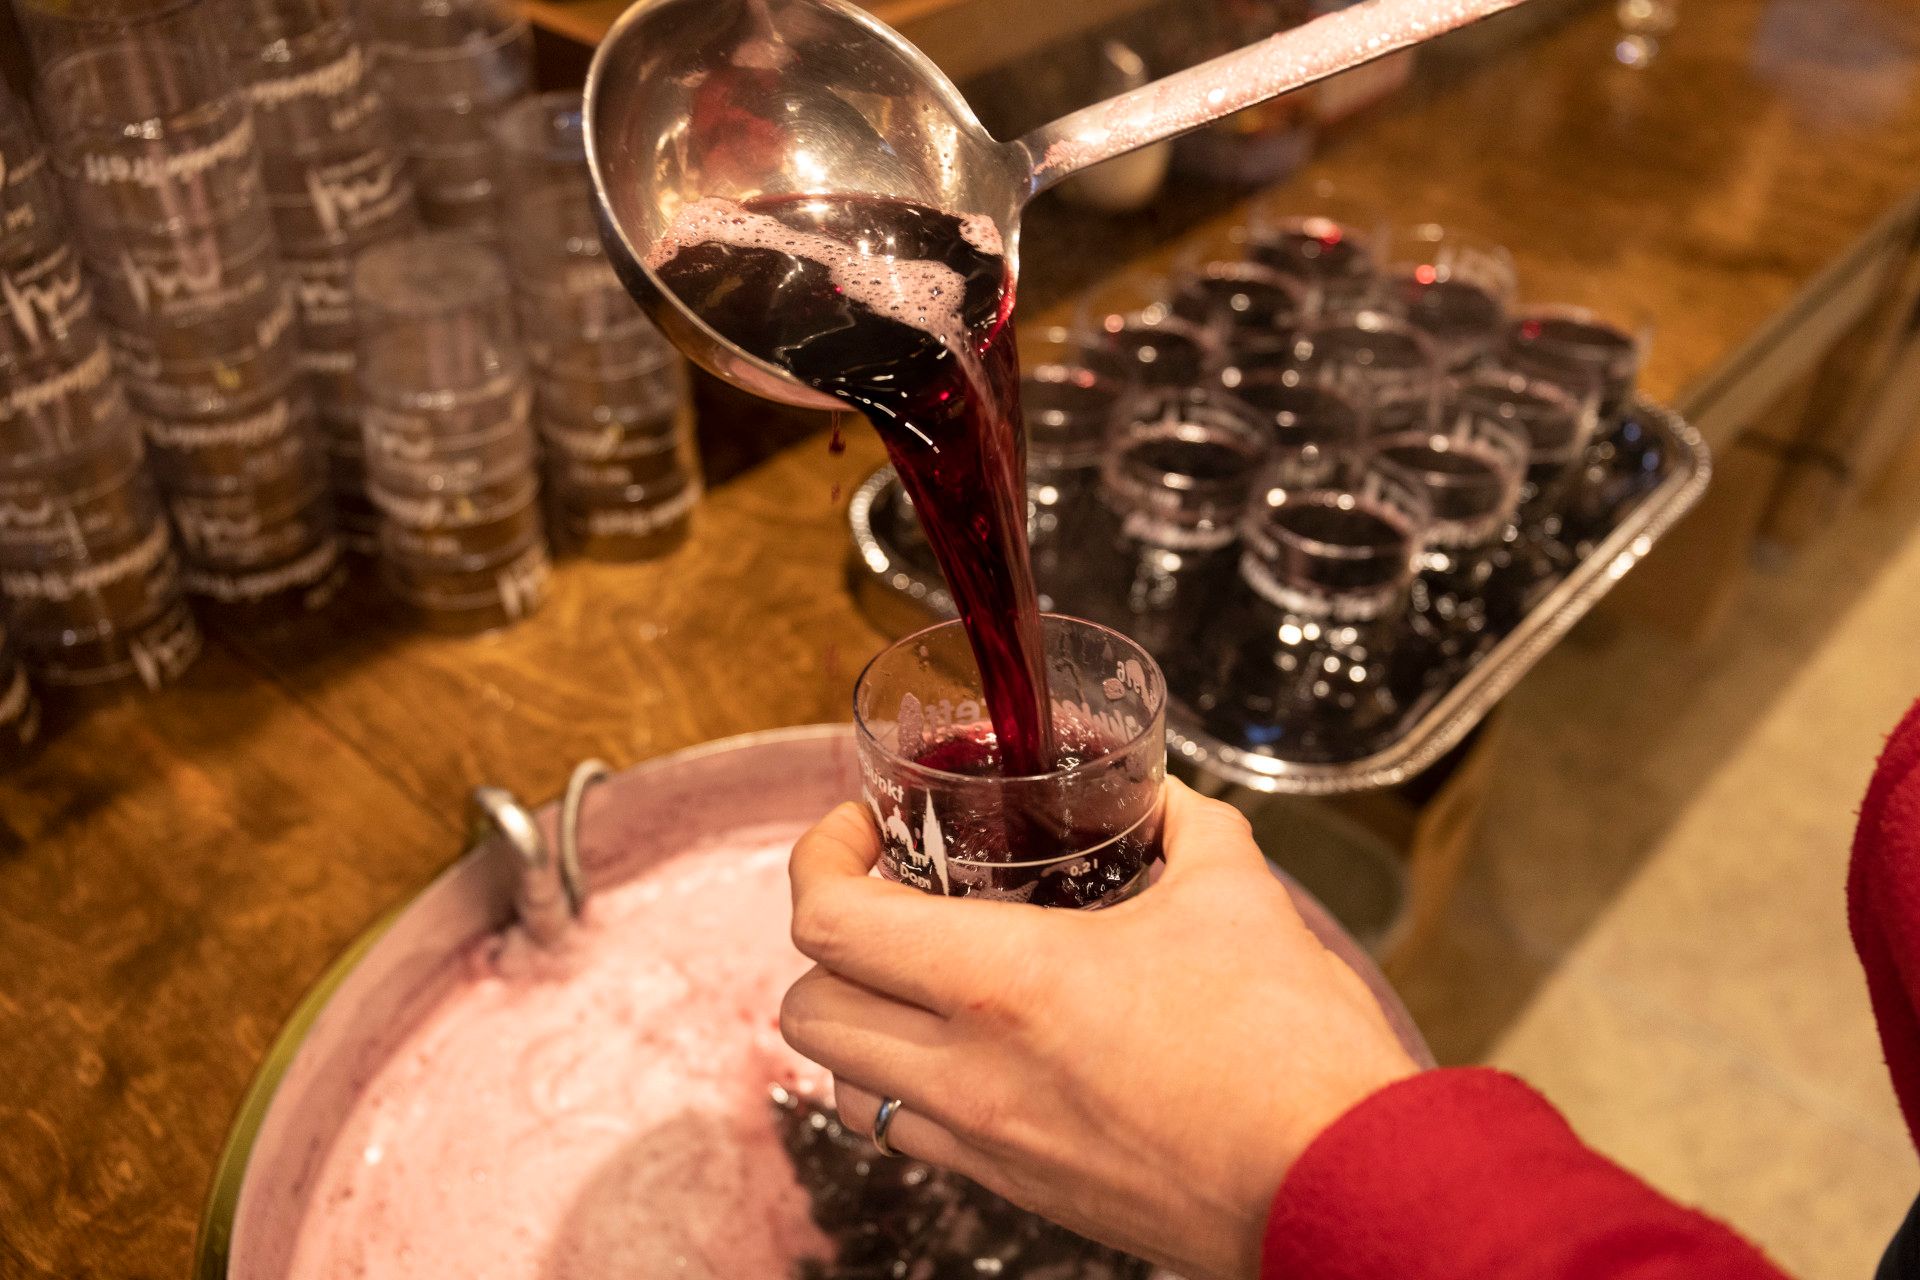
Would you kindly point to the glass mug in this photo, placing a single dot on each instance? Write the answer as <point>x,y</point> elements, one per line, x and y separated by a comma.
<point>1084,834</point>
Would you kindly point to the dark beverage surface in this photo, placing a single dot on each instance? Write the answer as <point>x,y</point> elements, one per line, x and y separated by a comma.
<point>1091,850</point>
<point>904,1220</point>
<point>1449,620</point>
<point>1207,461</point>
<point>1352,548</point>
<point>978,755</point>
<point>1147,574</point>
<point>1375,353</point>
<point>1354,531</point>
<point>1394,367</point>
<point>1159,547</point>
<point>1068,408</point>
<point>1546,487</point>
<point>1539,416</point>
<point>1301,414</point>
<point>1155,355</point>
<point>1461,484</point>
<point>1440,462</point>
<point>1066,400</point>
<point>1579,352</point>
<point>1301,663</point>
<point>1237,303</point>
<point>903,313</point>
<point>1594,339</point>
<point>1326,256</point>
<point>1459,315</point>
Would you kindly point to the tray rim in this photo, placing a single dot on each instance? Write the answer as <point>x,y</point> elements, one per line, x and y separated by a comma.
<point>1461,708</point>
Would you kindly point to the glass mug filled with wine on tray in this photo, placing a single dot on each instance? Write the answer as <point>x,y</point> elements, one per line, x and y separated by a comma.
<point>810,210</point>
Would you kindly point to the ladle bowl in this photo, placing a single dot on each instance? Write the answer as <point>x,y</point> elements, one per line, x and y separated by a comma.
<point>738,99</point>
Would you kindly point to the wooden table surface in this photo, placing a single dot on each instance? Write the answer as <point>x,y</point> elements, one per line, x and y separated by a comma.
<point>963,37</point>
<point>175,870</point>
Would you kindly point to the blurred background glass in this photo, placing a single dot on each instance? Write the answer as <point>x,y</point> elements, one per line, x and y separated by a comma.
<point>611,398</point>
<point>450,68</point>
<point>156,145</point>
<point>447,416</point>
<point>87,568</point>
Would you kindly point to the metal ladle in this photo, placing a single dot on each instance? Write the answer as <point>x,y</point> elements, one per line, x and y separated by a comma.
<point>688,99</point>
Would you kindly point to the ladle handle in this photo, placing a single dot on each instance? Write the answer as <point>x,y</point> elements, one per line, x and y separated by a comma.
<point>1232,82</point>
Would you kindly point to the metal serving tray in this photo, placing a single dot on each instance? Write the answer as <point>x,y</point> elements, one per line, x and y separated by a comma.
<point>900,596</point>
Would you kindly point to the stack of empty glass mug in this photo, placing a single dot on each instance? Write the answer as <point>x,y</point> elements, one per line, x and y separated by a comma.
<point>158,428</point>
<point>88,575</point>
<point>337,184</point>
<point>612,405</point>
<point>446,405</point>
<point>450,68</point>
<point>1321,479</point>
<point>155,142</point>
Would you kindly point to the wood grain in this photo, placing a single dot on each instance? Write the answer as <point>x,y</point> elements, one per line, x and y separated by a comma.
<point>175,870</point>
<point>173,874</point>
<point>747,626</point>
<point>963,37</point>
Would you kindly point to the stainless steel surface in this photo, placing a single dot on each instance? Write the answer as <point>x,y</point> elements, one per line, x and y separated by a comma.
<point>540,900</point>
<point>900,596</point>
<point>573,876</point>
<point>893,589</point>
<point>1355,873</point>
<point>882,1121</point>
<point>782,780</point>
<point>688,99</point>
<point>1128,184</point>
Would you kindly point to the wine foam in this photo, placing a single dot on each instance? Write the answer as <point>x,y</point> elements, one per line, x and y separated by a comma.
<point>918,293</point>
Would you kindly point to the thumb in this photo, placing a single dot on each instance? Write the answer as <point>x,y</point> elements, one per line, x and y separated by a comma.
<point>1203,833</point>
<point>843,845</point>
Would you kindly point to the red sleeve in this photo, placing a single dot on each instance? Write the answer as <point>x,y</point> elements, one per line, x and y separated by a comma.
<point>1883,906</point>
<point>1469,1174</point>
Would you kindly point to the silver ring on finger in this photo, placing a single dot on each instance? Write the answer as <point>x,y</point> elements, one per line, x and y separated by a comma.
<point>882,1121</point>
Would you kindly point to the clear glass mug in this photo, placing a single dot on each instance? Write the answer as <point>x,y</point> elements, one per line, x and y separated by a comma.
<point>1588,351</point>
<point>450,67</point>
<point>1557,426</point>
<point>1242,301</point>
<point>1311,419</point>
<point>1455,287</point>
<point>1159,543</point>
<point>1128,330</point>
<point>1390,364</point>
<point>1472,472</point>
<point>1085,834</point>
<point>1302,662</point>
<point>1337,259</point>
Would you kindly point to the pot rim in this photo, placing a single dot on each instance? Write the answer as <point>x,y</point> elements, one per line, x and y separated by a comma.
<point>212,1246</point>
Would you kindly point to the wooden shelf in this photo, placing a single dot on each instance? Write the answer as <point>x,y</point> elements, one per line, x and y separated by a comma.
<point>966,37</point>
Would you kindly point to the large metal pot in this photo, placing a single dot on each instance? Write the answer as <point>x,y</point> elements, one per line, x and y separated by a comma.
<point>772,784</point>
